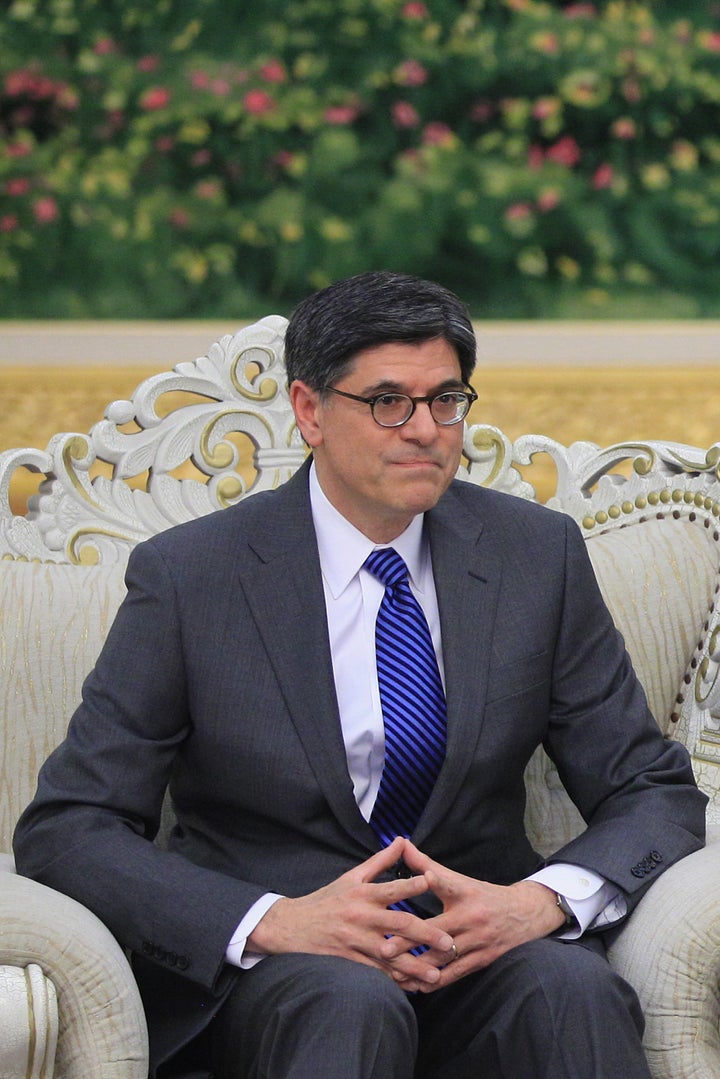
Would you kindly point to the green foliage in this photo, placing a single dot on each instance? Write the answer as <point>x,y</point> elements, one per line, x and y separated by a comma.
<point>222,160</point>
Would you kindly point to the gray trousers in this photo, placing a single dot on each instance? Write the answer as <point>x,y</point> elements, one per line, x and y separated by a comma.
<point>545,1010</point>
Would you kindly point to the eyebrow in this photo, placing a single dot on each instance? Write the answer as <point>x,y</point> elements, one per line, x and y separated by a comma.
<point>388,386</point>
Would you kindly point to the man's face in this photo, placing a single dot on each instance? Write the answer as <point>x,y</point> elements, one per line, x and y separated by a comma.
<point>379,478</point>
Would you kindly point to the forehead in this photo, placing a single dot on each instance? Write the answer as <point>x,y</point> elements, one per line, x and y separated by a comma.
<point>434,361</point>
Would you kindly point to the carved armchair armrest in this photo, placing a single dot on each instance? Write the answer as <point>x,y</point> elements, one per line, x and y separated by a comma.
<point>670,953</point>
<point>102,1030</point>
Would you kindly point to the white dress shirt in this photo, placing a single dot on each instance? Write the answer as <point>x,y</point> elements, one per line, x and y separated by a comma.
<point>352,599</point>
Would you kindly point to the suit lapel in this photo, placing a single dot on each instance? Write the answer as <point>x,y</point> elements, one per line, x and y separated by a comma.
<point>467,579</point>
<point>282,582</point>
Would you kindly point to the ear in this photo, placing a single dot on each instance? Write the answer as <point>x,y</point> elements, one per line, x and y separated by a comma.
<point>306,405</point>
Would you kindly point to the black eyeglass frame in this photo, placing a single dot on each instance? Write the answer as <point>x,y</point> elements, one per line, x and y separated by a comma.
<point>469,395</point>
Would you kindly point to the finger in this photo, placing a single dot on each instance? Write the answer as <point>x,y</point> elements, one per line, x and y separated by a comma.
<point>417,861</point>
<point>378,863</point>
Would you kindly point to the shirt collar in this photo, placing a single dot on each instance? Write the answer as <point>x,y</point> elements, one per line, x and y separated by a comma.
<point>343,548</point>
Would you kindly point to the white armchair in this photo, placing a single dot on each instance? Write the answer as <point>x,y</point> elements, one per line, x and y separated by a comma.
<point>651,516</point>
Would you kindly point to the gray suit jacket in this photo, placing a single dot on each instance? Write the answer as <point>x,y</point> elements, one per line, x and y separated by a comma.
<point>216,678</point>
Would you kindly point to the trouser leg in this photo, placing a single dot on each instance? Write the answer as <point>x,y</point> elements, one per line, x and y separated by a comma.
<point>314,1017</point>
<point>545,1010</point>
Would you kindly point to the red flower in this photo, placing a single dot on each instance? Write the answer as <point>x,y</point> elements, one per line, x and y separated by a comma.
<point>17,149</point>
<point>535,157</point>
<point>437,134</point>
<point>518,211</point>
<point>341,114</point>
<point>45,210</point>
<point>565,152</point>
<point>157,97</point>
<point>104,46</point>
<point>624,128</point>
<point>200,80</point>
<point>404,114</point>
<point>273,71</point>
<point>603,177</point>
<point>148,63</point>
<point>580,11</point>
<point>415,9</point>
<point>17,186</point>
<point>258,102</point>
<point>8,223</point>
<point>411,73</point>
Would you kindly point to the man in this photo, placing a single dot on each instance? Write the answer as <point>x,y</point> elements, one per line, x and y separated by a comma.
<point>307,919</point>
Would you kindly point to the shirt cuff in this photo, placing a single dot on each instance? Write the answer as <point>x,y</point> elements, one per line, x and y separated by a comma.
<point>235,952</point>
<point>593,900</point>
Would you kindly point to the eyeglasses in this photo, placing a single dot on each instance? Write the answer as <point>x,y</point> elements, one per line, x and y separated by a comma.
<point>395,409</point>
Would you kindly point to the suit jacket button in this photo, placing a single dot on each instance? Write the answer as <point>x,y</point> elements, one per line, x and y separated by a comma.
<point>656,856</point>
<point>637,871</point>
<point>183,962</point>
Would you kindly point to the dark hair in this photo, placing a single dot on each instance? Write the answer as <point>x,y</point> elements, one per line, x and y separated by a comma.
<point>329,328</point>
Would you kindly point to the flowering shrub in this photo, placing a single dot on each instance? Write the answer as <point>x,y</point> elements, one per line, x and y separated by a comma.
<point>543,159</point>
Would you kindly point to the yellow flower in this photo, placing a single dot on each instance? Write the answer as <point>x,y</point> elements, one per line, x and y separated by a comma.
<point>655,176</point>
<point>568,268</point>
<point>336,230</point>
<point>291,231</point>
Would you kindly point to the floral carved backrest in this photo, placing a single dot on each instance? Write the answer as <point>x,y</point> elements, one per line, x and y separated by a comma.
<point>217,429</point>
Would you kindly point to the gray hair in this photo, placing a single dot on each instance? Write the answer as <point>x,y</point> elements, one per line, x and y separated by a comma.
<point>330,327</point>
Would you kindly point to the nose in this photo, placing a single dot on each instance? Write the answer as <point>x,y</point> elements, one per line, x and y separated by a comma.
<point>421,427</point>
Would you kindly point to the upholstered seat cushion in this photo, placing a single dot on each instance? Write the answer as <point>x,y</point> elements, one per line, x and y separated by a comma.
<point>53,620</point>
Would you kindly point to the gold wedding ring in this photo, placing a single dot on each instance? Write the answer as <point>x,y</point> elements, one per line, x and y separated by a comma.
<point>453,949</point>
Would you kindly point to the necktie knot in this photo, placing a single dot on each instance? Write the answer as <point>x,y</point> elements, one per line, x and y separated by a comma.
<point>387,565</point>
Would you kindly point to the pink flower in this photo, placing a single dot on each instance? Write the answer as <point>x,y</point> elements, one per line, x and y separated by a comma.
<point>603,177</point>
<point>710,40</point>
<point>104,46</point>
<point>258,102</point>
<point>580,11</point>
<point>200,158</point>
<point>283,159</point>
<point>535,157</point>
<point>545,107</point>
<point>411,73</point>
<point>273,71</point>
<point>221,87</point>
<point>179,218</point>
<point>45,210</point>
<point>548,200</point>
<point>482,111</point>
<point>564,152</point>
<point>208,189</point>
<point>157,97</point>
<point>18,149</point>
<point>437,134</point>
<point>199,80</point>
<point>148,63</point>
<point>164,144</point>
<point>404,115</point>
<point>624,128</point>
<point>8,223</point>
<point>341,114</point>
<point>20,185</point>
<point>518,211</point>
<point>414,9</point>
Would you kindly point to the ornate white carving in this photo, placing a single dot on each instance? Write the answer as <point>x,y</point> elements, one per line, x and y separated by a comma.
<point>238,388</point>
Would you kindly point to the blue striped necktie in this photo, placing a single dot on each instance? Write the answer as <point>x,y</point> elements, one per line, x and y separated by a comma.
<point>412,699</point>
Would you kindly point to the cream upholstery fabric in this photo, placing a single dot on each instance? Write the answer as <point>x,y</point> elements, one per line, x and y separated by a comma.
<point>53,620</point>
<point>654,577</point>
<point>670,953</point>
<point>102,1033</point>
<point>28,1022</point>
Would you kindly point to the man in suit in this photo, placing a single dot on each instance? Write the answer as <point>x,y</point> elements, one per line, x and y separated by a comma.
<point>286,932</point>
